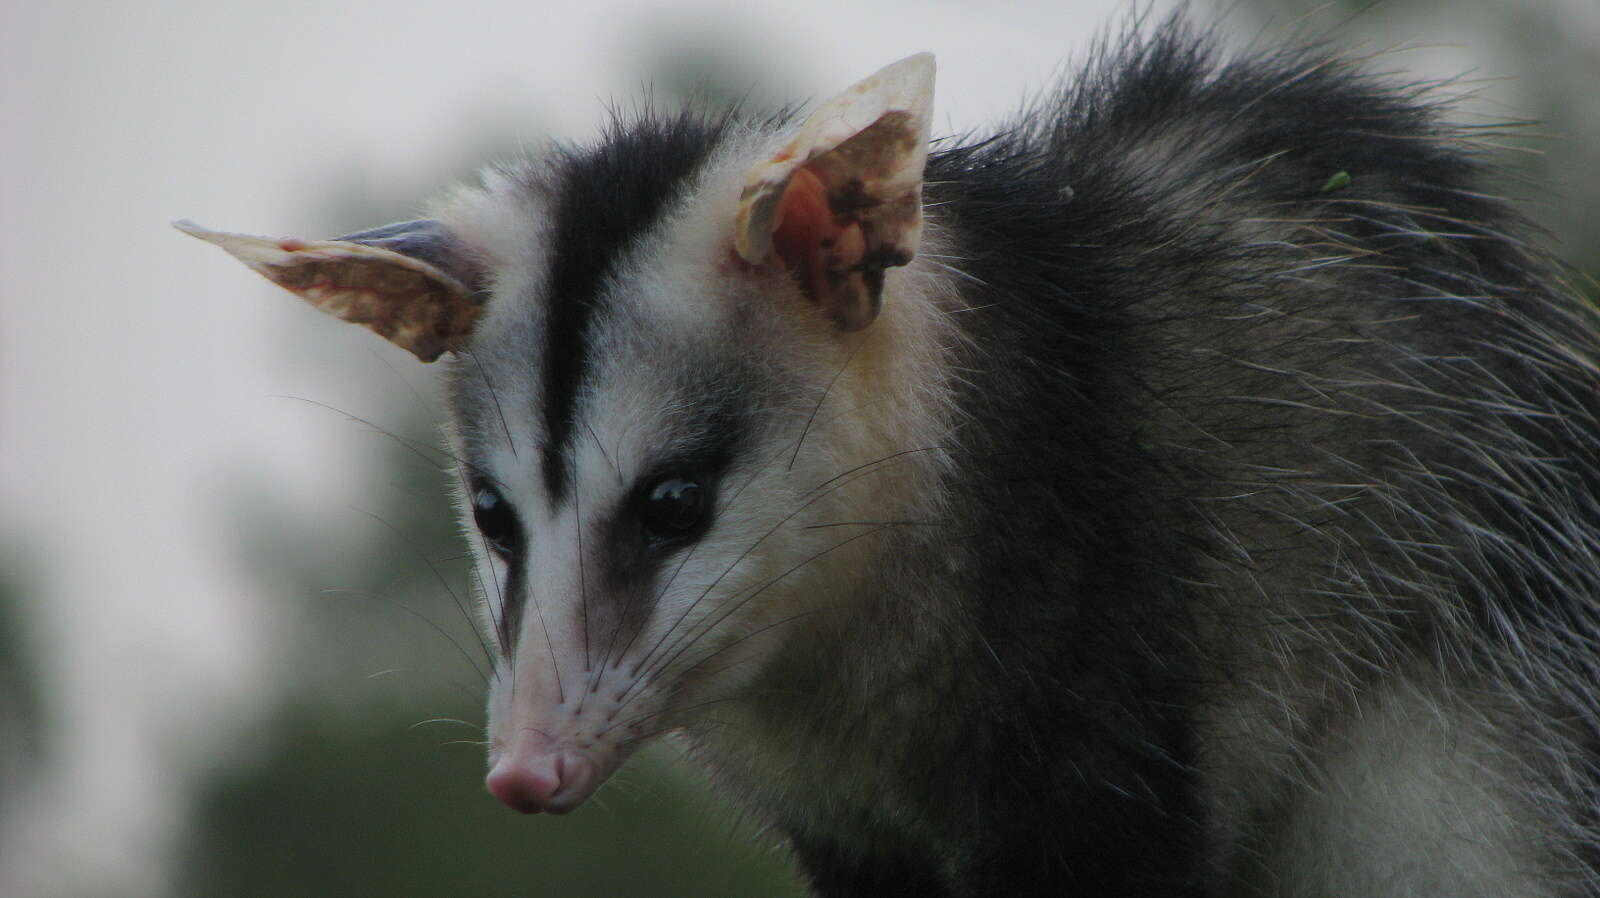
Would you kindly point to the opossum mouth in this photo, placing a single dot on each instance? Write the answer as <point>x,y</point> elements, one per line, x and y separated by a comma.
<point>534,775</point>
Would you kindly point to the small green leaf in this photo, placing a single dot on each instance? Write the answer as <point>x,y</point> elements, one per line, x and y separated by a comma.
<point>1339,181</point>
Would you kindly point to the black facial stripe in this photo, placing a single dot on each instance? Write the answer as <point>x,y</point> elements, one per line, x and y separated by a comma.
<point>608,196</point>
<point>509,616</point>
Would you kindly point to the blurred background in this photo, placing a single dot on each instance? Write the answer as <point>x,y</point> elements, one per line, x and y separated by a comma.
<point>234,655</point>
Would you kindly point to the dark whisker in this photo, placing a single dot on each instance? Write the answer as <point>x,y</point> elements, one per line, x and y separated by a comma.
<point>432,625</point>
<point>496,602</point>
<point>741,602</point>
<point>760,469</point>
<point>455,597</point>
<point>410,387</point>
<point>495,398</point>
<point>874,524</point>
<point>550,649</point>
<point>595,438</point>
<point>677,709</point>
<point>816,494</point>
<point>681,563</point>
<point>824,398</point>
<point>583,585</point>
<point>625,699</point>
<point>891,457</point>
<point>417,447</point>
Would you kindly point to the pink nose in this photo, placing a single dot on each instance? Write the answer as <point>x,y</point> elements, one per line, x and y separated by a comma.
<point>533,777</point>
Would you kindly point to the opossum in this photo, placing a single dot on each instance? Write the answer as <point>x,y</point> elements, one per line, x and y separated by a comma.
<point>1188,489</point>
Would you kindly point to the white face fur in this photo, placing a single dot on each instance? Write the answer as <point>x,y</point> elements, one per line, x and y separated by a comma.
<point>681,421</point>
<point>630,591</point>
<point>717,391</point>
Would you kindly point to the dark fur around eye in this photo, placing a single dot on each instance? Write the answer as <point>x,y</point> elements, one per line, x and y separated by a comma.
<point>675,506</point>
<point>496,521</point>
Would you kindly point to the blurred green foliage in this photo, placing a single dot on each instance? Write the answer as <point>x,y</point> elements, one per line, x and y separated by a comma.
<point>22,737</point>
<point>348,803</point>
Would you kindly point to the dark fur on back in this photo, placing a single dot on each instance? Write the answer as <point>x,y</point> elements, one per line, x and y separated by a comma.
<point>1239,438</point>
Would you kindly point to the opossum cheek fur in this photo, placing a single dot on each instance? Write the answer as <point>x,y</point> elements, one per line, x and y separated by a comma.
<point>724,427</point>
<point>650,595</point>
<point>728,479</point>
<point>613,602</point>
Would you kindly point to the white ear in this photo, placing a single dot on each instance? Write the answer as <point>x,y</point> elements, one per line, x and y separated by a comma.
<point>842,201</point>
<point>388,279</point>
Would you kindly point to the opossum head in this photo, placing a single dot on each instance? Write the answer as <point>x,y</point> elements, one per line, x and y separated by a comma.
<point>692,377</point>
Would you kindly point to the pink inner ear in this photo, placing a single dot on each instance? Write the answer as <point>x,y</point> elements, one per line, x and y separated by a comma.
<point>810,238</point>
<point>804,223</point>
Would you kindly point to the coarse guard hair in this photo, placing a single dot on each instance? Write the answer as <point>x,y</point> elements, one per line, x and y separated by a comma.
<point>1188,489</point>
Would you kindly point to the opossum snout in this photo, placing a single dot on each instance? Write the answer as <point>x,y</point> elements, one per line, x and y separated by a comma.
<point>535,774</point>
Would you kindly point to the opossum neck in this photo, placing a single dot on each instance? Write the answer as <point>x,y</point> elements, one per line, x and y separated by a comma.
<point>846,723</point>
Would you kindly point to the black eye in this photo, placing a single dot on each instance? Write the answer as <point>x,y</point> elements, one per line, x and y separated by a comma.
<point>495,520</point>
<point>674,506</point>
